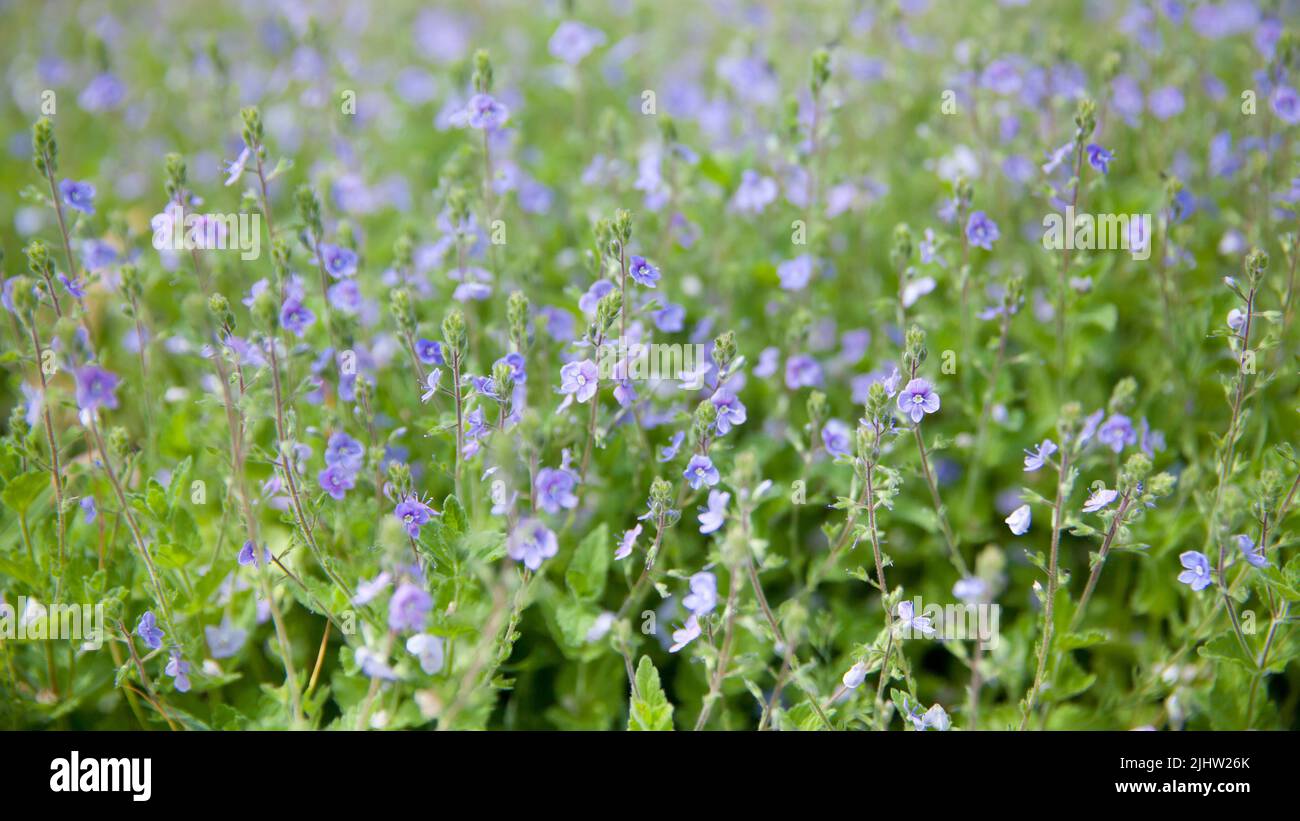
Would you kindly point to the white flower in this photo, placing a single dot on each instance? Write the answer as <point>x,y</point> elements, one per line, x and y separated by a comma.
<point>855,676</point>
<point>1019,520</point>
<point>428,649</point>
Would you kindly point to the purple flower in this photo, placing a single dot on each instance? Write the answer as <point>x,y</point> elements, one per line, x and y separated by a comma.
<point>248,554</point>
<point>555,489</point>
<point>769,359</point>
<point>579,379</point>
<point>431,384</point>
<point>981,231</point>
<point>712,517</point>
<point>78,195</point>
<point>74,286</point>
<point>1099,158</point>
<point>1285,104</point>
<point>1254,556</point>
<point>337,480</point>
<point>148,630</point>
<point>344,450</point>
<point>476,428</point>
<point>96,388</point>
<point>856,674</point>
<point>179,670</point>
<point>531,542</point>
<point>628,542</point>
<point>296,317</point>
<point>689,633</point>
<point>918,399</point>
<point>1165,102</point>
<point>1020,519</point>
<point>373,665</point>
<point>413,514</point>
<point>795,273</point>
<point>409,608</point>
<point>428,649</point>
<point>1197,573</point>
<point>669,451</point>
<point>338,261</point>
<point>837,436</point>
<point>643,272</point>
<point>731,411</point>
<point>704,594</point>
<point>970,589</point>
<point>103,93</point>
<point>224,640</point>
<point>754,193</point>
<point>485,113</point>
<point>802,371</point>
<point>1099,499</point>
<point>234,170</point>
<point>88,509</point>
<point>909,621</point>
<point>345,296</point>
<point>1117,433</point>
<point>429,352</point>
<point>700,472</point>
<point>368,590</point>
<point>573,40</point>
<point>1036,458</point>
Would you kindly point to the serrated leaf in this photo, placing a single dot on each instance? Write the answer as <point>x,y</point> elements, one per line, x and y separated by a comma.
<point>651,710</point>
<point>589,566</point>
<point>23,490</point>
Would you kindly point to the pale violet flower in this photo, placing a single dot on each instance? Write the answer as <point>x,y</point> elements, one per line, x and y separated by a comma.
<point>1099,499</point>
<point>712,517</point>
<point>428,649</point>
<point>1019,520</point>
<point>1196,574</point>
<point>689,633</point>
<point>908,620</point>
<point>628,542</point>
<point>855,676</point>
<point>704,594</point>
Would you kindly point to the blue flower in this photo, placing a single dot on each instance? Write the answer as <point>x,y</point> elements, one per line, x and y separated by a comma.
<point>1197,573</point>
<point>700,472</point>
<point>531,542</point>
<point>408,609</point>
<point>1035,459</point>
<point>981,231</point>
<point>429,352</point>
<point>148,630</point>
<point>1254,556</point>
<point>837,436</point>
<point>1020,519</point>
<point>712,517</point>
<point>224,640</point>
<point>78,195</point>
<point>643,272</point>
<point>338,261</point>
<point>918,399</point>
<point>1098,157</point>
<point>179,670</point>
<point>1099,499</point>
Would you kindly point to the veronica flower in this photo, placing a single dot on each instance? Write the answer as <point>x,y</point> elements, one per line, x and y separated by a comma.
<point>970,589</point>
<point>1098,157</point>
<point>409,607</point>
<point>338,261</point>
<point>428,649</point>
<point>372,664</point>
<point>1254,556</point>
<point>413,514</point>
<point>1286,104</point>
<point>1197,573</point>
<point>578,380</point>
<point>531,542</point>
<point>1117,433</point>
<point>235,169</point>
<point>148,630</point>
<point>918,399</point>
<point>1019,520</point>
<point>703,597</point>
<point>934,718</point>
<point>431,383</point>
<point>555,489</point>
<point>802,371</point>
<point>88,509</point>
<point>837,437</point>
<point>368,590</point>
<point>225,640</point>
<point>754,194</point>
<point>855,676</point>
<point>345,296</point>
<point>344,450</point>
<point>96,388</point>
<point>643,272</point>
<point>981,231</point>
<point>74,286</point>
<point>700,472</point>
<point>1036,458</point>
<point>712,517</point>
<point>669,451</point>
<point>476,428</point>
<point>670,318</point>
<point>573,40</point>
<point>296,317</point>
<point>769,359</point>
<point>689,633</point>
<point>628,542</point>
<point>731,411</point>
<point>337,480</point>
<point>908,620</point>
<point>179,670</point>
<point>429,352</point>
<point>483,112</point>
<point>795,273</point>
<point>248,554</point>
<point>79,196</point>
<point>1099,499</point>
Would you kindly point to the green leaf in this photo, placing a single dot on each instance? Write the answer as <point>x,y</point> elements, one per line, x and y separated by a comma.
<point>590,565</point>
<point>22,491</point>
<point>453,516</point>
<point>651,710</point>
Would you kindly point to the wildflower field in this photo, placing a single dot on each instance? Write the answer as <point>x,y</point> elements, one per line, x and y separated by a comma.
<point>650,365</point>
